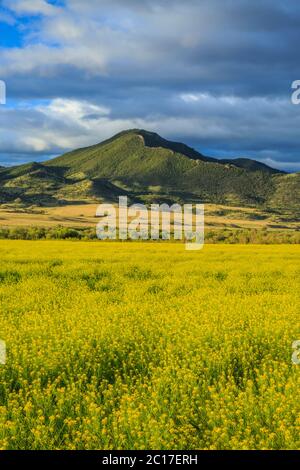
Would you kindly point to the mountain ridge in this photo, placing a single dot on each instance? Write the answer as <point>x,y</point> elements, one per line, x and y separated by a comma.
<point>148,168</point>
<point>154,140</point>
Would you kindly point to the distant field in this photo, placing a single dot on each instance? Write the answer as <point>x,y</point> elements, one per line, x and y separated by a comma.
<point>148,346</point>
<point>83,215</point>
<point>70,216</point>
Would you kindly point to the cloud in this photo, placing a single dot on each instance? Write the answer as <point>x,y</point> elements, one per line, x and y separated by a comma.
<point>173,41</point>
<point>73,110</point>
<point>45,62</point>
<point>215,74</point>
<point>51,128</point>
<point>31,7</point>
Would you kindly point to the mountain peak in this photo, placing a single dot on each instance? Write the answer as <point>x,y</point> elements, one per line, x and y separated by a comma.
<point>154,140</point>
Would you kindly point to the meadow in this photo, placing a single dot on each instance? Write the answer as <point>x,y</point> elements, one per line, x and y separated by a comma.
<point>148,346</point>
<point>217,216</point>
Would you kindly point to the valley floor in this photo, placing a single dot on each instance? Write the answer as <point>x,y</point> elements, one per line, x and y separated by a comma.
<point>84,215</point>
<point>148,346</point>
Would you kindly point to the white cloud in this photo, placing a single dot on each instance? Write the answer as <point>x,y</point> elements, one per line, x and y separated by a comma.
<point>193,97</point>
<point>59,126</point>
<point>35,144</point>
<point>73,110</point>
<point>33,7</point>
<point>112,37</point>
<point>43,60</point>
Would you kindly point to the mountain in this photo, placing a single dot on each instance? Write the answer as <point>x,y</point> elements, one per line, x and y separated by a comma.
<point>148,168</point>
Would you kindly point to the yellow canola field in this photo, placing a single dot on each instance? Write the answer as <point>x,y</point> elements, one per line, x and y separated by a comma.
<point>148,346</point>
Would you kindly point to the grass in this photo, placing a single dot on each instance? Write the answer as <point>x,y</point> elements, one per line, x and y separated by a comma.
<point>137,345</point>
<point>83,215</point>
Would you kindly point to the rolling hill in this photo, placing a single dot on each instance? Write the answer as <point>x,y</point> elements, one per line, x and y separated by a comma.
<point>148,169</point>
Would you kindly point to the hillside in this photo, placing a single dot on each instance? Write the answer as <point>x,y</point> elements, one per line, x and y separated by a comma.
<point>148,168</point>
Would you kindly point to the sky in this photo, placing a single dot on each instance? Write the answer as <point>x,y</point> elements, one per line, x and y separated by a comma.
<point>215,74</point>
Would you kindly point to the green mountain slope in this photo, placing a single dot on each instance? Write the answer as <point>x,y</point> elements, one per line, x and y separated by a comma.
<point>148,168</point>
<point>251,165</point>
<point>287,192</point>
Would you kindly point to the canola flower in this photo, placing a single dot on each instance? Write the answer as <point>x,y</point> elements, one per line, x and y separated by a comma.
<point>148,346</point>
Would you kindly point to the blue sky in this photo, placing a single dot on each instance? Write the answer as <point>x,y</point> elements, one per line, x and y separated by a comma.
<point>215,74</point>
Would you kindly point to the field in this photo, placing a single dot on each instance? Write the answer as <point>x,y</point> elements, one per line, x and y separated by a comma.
<point>148,346</point>
<point>84,215</point>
